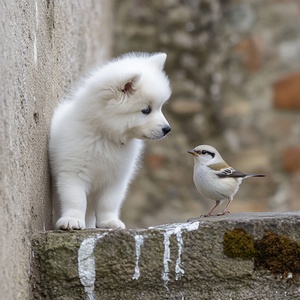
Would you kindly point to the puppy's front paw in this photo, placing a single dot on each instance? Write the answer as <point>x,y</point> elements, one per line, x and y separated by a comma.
<point>69,223</point>
<point>111,224</point>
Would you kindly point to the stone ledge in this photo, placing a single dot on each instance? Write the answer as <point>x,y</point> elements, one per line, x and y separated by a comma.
<point>174,261</point>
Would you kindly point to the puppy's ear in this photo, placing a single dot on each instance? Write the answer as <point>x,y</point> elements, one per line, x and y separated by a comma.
<point>128,86</point>
<point>159,60</point>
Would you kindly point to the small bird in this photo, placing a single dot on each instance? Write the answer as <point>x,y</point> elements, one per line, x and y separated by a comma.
<point>214,178</point>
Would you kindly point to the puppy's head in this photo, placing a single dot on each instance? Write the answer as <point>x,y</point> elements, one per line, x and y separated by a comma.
<point>130,93</point>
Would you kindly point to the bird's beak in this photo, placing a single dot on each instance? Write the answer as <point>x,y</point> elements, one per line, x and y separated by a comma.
<point>193,152</point>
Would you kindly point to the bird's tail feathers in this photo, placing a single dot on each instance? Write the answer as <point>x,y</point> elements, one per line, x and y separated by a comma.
<point>256,175</point>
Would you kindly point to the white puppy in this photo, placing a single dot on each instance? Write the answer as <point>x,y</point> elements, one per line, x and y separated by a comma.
<point>96,138</point>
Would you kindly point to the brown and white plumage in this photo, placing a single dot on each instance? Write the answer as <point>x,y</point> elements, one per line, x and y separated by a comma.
<point>214,178</point>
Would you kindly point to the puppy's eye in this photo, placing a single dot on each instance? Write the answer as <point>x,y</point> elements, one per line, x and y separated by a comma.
<point>147,110</point>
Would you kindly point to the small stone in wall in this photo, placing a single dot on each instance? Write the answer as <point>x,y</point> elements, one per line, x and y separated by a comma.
<point>287,92</point>
<point>291,159</point>
<point>155,161</point>
<point>185,107</point>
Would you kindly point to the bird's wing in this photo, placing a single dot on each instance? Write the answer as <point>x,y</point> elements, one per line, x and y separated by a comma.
<point>223,171</point>
<point>230,172</point>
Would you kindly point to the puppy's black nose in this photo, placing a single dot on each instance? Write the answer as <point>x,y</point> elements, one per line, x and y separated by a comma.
<point>166,129</point>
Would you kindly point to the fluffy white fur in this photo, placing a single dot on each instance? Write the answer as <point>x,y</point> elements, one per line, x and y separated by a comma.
<point>96,138</point>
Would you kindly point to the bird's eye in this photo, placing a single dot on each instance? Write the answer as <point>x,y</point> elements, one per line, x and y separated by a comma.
<point>147,110</point>
<point>205,152</point>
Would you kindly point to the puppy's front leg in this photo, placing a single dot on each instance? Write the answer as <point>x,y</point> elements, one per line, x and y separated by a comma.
<point>72,200</point>
<point>108,207</point>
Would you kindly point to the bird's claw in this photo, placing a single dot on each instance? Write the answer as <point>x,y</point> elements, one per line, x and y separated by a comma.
<point>223,213</point>
<point>208,215</point>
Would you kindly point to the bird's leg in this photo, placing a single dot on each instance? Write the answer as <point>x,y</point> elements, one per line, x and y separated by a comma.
<point>209,213</point>
<point>225,211</point>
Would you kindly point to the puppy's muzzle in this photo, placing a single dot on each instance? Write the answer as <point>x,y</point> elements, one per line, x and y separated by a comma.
<point>166,130</point>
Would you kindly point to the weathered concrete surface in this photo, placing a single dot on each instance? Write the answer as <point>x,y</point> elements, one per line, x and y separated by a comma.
<point>45,46</point>
<point>175,261</point>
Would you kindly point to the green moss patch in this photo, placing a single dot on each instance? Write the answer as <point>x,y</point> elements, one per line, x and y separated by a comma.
<point>239,244</point>
<point>278,254</point>
<point>275,253</point>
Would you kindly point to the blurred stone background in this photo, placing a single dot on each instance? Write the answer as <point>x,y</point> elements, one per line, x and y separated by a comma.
<point>234,68</point>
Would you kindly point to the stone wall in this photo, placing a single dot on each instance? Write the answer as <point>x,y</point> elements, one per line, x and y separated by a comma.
<point>237,256</point>
<point>234,68</point>
<point>45,46</point>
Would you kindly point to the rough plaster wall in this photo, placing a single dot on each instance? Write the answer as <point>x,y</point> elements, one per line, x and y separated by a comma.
<point>45,46</point>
